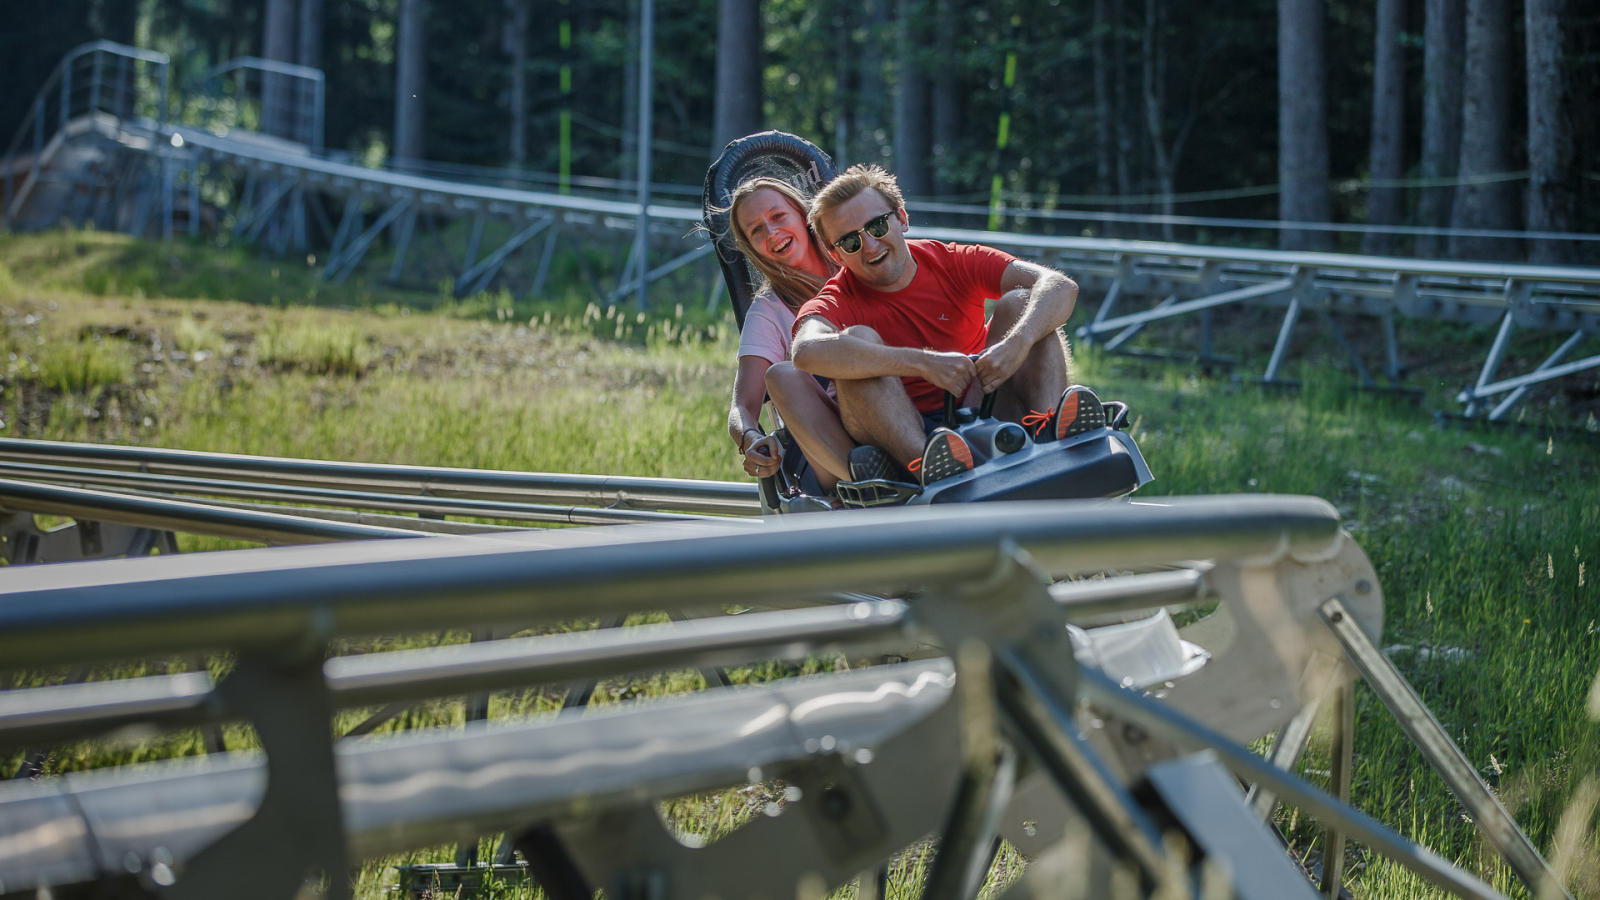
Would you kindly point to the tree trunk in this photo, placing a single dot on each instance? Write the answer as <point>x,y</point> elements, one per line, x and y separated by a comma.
<point>1120,100</point>
<point>872,138</point>
<point>1485,133</point>
<point>1105,131</point>
<point>1302,123</point>
<point>1552,196</point>
<point>1154,67</point>
<point>1386,205</point>
<point>911,135</point>
<point>515,44</point>
<point>1444,52</point>
<point>738,103</point>
<point>844,81</point>
<point>310,40</point>
<point>277,42</point>
<point>410,82</point>
<point>630,94</point>
<point>946,105</point>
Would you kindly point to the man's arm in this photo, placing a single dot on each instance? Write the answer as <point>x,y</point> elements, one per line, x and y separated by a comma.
<point>1051,298</point>
<point>854,354</point>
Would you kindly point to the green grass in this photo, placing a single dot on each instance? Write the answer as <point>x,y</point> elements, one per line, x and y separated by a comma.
<point>1487,544</point>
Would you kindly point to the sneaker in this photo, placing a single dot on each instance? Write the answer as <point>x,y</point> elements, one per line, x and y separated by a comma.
<point>869,463</point>
<point>1079,411</point>
<point>946,455</point>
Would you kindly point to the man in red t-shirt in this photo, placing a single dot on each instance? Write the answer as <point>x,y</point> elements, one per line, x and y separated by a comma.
<point>898,326</point>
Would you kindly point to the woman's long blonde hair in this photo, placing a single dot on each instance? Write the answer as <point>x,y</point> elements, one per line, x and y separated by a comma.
<point>793,286</point>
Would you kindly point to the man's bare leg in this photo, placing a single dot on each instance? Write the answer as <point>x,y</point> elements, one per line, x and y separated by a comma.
<point>1045,371</point>
<point>878,411</point>
<point>812,418</point>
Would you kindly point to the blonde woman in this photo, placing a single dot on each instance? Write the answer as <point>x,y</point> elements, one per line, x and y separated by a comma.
<point>768,219</point>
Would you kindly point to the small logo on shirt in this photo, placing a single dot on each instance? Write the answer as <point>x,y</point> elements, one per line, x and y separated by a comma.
<point>943,317</point>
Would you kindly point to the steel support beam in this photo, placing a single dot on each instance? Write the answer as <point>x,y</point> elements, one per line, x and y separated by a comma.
<point>1419,724</point>
<point>630,283</point>
<point>1508,403</point>
<point>339,268</point>
<point>1280,349</point>
<point>1491,364</point>
<point>481,273</point>
<point>1253,292</point>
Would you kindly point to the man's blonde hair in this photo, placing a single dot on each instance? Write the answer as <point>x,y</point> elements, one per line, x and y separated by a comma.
<point>846,186</point>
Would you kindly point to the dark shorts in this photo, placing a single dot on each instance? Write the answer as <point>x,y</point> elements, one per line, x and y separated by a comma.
<point>932,420</point>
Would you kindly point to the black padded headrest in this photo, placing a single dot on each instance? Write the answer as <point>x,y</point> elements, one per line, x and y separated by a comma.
<point>771,153</point>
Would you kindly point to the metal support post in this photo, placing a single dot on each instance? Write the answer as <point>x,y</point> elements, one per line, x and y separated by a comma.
<point>166,194</point>
<point>1414,718</point>
<point>348,222</point>
<point>1113,293</point>
<point>477,710</point>
<point>1341,774</point>
<point>1392,367</point>
<point>545,256</point>
<point>1491,364</point>
<point>968,842</point>
<point>298,823</point>
<point>194,195</point>
<point>1125,334</point>
<point>1281,348</point>
<point>94,85</point>
<point>641,238</point>
<point>1349,350</point>
<point>472,243</point>
<point>38,136</point>
<point>252,224</point>
<point>1288,745</point>
<point>407,226</point>
<point>66,91</point>
<point>124,102</point>
<point>1506,405</point>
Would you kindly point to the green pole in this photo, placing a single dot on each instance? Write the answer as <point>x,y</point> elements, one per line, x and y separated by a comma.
<point>566,100</point>
<point>1003,135</point>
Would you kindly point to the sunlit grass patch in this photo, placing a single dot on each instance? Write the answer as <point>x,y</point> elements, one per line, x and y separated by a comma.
<point>81,366</point>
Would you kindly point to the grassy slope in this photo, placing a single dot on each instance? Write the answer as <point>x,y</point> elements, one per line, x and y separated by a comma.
<point>1487,545</point>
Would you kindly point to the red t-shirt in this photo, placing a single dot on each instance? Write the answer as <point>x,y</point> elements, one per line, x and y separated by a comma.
<point>941,309</point>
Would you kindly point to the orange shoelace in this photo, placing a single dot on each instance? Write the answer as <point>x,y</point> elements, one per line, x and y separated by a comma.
<point>914,466</point>
<point>1037,420</point>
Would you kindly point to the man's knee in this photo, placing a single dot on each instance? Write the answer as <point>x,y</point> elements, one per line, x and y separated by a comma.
<point>864,333</point>
<point>1009,308</point>
<point>783,376</point>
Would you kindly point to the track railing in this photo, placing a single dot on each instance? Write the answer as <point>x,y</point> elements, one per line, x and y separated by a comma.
<point>873,759</point>
<point>100,77</point>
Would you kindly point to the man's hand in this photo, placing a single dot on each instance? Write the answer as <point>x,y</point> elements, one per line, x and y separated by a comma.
<point>951,371</point>
<point>763,456</point>
<point>998,363</point>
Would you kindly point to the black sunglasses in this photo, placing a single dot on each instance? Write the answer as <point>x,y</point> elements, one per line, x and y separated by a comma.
<point>851,243</point>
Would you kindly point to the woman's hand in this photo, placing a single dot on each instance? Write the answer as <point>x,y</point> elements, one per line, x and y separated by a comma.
<point>763,456</point>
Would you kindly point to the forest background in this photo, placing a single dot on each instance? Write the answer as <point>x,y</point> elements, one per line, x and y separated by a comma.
<point>1319,110</point>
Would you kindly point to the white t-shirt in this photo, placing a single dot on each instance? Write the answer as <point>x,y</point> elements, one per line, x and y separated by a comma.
<point>768,326</point>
